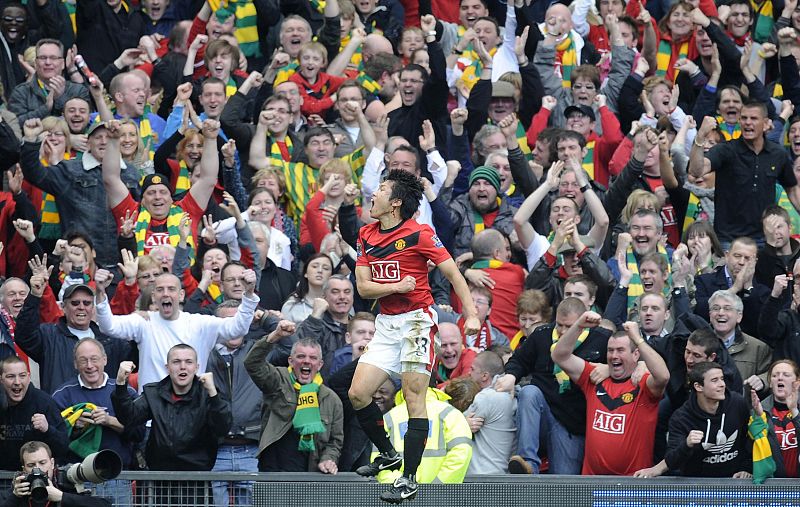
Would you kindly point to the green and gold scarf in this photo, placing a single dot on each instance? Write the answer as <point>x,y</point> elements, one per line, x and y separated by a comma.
<point>307,420</point>
<point>560,375</point>
<point>635,288</point>
<point>173,229</point>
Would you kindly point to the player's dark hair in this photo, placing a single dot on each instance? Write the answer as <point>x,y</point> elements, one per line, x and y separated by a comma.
<point>407,188</point>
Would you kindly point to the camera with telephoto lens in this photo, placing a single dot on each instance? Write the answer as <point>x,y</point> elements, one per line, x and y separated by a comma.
<point>97,468</point>
<point>38,481</point>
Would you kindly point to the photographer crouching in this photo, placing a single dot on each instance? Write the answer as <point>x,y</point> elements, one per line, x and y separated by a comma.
<point>37,484</point>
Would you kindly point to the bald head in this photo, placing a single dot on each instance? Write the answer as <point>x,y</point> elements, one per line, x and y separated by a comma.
<point>376,43</point>
<point>558,20</point>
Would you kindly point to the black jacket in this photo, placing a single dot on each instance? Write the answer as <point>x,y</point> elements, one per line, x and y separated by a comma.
<point>184,432</point>
<point>770,264</point>
<point>780,329</point>
<point>707,284</point>
<point>357,446</point>
<point>103,34</point>
<point>533,358</point>
<point>52,345</point>
<point>7,499</point>
<point>726,448</point>
<point>431,105</point>
<point>276,286</point>
<point>16,428</point>
<point>549,279</point>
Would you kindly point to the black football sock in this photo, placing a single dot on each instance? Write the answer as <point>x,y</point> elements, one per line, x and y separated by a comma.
<point>371,421</point>
<point>416,437</point>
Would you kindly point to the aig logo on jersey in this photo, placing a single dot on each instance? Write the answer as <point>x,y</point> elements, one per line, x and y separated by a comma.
<point>609,423</point>
<point>385,271</point>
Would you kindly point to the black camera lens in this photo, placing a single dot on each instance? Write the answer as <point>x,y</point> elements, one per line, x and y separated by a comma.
<point>38,482</point>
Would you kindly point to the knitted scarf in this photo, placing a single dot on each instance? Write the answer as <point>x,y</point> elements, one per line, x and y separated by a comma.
<point>664,58</point>
<point>71,8</point>
<point>763,462</point>
<point>318,5</point>
<point>183,183</point>
<point>51,221</point>
<point>307,420</point>
<point>245,26</point>
<point>764,20</point>
<point>562,378</point>
<point>516,340</point>
<point>522,139</point>
<point>567,58</point>
<point>478,219</point>
<point>230,88</point>
<point>88,440</point>
<point>487,263</point>
<point>275,153</point>
<point>471,72</point>
<point>285,72</point>
<point>214,293</point>
<point>357,60</point>
<point>588,161</point>
<point>739,41</point>
<point>173,223</point>
<point>369,84</point>
<point>635,288</point>
<point>694,212</point>
<point>726,131</point>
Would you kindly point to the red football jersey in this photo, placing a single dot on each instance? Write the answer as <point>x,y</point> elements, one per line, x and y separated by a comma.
<point>620,425</point>
<point>396,253</point>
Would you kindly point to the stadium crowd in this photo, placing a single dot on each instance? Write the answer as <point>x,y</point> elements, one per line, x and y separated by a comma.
<point>185,181</point>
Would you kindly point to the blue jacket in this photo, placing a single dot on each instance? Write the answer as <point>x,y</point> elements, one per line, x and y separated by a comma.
<point>52,345</point>
<point>80,197</point>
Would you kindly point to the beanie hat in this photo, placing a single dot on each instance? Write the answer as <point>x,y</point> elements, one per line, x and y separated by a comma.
<point>153,179</point>
<point>487,173</point>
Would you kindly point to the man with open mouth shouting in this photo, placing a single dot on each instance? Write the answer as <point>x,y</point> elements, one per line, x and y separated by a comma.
<point>156,332</point>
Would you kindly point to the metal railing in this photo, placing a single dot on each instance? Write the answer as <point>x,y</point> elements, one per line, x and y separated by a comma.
<point>196,489</point>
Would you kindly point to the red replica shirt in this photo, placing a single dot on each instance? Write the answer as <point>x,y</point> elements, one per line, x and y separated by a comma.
<point>157,233</point>
<point>787,438</point>
<point>396,253</point>
<point>620,425</point>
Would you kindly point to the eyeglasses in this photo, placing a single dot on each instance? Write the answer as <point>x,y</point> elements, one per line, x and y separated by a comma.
<point>81,302</point>
<point>11,19</point>
<point>45,58</point>
<point>147,276</point>
<point>83,361</point>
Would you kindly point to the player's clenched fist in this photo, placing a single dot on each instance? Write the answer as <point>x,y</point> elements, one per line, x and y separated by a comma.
<point>407,284</point>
